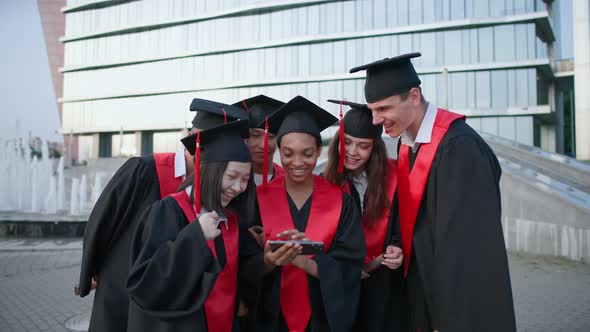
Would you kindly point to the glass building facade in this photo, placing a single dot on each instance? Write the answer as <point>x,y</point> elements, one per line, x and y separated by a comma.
<point>131,68</point>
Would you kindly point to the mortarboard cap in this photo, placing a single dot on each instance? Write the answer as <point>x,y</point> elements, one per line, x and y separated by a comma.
<point>258,108</point>
<point>212,114</point>
<point>358,121</point>
<point>389,76</point>
<point>221,143</point>
<point>300,115</point>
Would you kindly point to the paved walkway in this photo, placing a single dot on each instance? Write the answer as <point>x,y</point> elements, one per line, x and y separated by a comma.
<point>37,279</point>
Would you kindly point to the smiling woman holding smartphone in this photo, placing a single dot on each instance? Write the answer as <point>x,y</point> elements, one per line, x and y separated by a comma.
<point>301,293</point>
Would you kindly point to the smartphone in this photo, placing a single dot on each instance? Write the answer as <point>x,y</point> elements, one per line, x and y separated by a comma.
<point>309,247</point>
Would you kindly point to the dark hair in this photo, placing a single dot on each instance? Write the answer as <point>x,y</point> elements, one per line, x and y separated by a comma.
<point>318,139</point>
<point>404,95</point>
<point>211,175</point>
<point>377,176</point>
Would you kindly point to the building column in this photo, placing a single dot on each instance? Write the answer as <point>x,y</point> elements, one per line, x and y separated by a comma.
<point>138,143</point>
<point>548,138</point>
<point>95,146</point>
<point>581,30</point>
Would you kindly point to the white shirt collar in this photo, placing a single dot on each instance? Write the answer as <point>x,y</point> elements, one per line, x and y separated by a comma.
<point>258,177</point>
<point>203,210</point>
<point>360,184</point>
<point>361,178</point>
<point>425,132</point>
<point>179,164</point>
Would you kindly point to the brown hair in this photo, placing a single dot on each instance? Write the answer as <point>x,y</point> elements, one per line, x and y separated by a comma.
<point>211,175</point>
<point>404,95</point>
<point>377,177</point>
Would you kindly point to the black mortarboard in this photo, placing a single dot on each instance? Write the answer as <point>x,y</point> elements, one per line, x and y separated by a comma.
<point>212,114</point>
<point>258,108</point>
<point>221,143</point>
<point>300,115</point>
<point>358,121</point>
<point>389,76</point>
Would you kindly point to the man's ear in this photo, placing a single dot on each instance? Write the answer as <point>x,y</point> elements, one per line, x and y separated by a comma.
<point>416,96</point>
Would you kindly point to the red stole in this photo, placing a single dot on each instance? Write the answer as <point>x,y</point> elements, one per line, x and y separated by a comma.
<point>375,234</point>
<point>412,185</point>
<point>165,170</point>
<point>220,304</point>
<point>322,225</point>
<point>278,171</point>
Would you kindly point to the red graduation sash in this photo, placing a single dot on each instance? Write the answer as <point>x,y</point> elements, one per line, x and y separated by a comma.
<point>375,233</point>
<point>412,185</point>
<point>322,224</point>
<point>220,304</point>
<point>278,171</point>
<point>165,171</point>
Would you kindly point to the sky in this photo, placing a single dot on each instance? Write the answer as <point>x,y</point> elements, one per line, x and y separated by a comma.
<point>27,100</point>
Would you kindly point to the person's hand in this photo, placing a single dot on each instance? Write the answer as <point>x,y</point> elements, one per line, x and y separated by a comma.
<point>282,256</point>
<point>299,261</point>
<point>293,235</point>
<point>242,309</point>
<point>393,257</point>
<point>257,232</point>
<point>93,284</point>
<point>209,222</point>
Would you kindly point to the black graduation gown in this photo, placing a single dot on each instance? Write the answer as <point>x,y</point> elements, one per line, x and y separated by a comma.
<point>251,270</point>
<point>172,271</point>
<point>382,302</point>
<point>106,240</point>
<point>334,296</point>
<point>458,278</point>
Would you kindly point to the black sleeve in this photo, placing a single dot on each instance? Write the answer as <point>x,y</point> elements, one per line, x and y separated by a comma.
<point>172,268</point>
<point>124,197</point>
<point>251,267</point>
<point>340,269</point>
<point>393,229</point>
<point>470,255</point>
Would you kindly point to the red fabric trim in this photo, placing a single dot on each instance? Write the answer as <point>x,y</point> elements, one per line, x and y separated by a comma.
<point>220,304</point>
<point>278,171</point>
<point>165,170</point>
<point>265,157</point>
<point>322,225</point>
<point>411,186</point>
<point>375,234</point>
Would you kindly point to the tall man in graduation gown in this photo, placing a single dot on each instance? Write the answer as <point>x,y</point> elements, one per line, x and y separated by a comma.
<point>455,261</point>
<point>138,183</point>
<point>262,142</point>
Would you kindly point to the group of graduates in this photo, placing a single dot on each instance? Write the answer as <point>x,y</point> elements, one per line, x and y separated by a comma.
<point>181,241</point>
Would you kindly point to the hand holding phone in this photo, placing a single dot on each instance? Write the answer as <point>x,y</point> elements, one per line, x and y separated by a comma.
<point>307,247</point>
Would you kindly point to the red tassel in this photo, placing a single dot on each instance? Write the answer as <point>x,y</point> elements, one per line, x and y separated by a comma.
<point>224,115</point>
<point>197,184</point>
<point>342,150</point>
<point>265,158</point>
<point>245,106</point>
